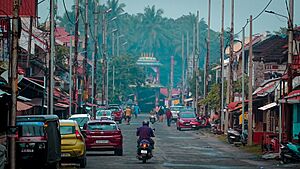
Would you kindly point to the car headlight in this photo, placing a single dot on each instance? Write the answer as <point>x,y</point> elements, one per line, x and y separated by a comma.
<point>181,121</point>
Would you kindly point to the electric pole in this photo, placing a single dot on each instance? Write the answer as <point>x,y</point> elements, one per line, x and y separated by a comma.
<point>95,54</point>
<point>104,59</point>
<point>75,94</point>
<point>52,56</point>
<point>14,82</point>
<point>207,57</point>
<point>197,54</point>
<point>230,73</point>
<point>182,67</point>
<point>86,85</point>
<point>222,68</point>
<point>70,76</point>
<point>171,82</point>
<point>29,42</point>
<point>250,118</point>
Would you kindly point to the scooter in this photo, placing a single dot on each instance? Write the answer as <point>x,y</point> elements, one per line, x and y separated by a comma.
<point>290,152</point>
<point>152,118</point>
<point>233,136</point>
<point>144,152</point>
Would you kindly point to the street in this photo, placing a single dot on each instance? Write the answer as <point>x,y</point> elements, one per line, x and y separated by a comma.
<point>177,149</point>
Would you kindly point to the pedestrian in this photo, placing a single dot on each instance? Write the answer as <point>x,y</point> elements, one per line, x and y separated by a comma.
<point>160,114</point>
<point>128,113</point>
<point>169,117</point>
<point>136,110</point>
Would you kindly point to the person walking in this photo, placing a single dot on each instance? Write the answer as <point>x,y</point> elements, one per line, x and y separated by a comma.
<point>136,110</point>
<point>169,117</point>
<point>128,113</point>
<point>160,114</point>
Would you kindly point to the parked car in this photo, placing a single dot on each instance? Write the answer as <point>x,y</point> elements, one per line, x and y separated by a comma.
<point>72,143</point>
<point>187,120</point>
<point>175,110</point>
<point>81,119</point>
<point>117,113</point>
<point>103,135</point>
<point>39,141</point>
<point>104,115</point>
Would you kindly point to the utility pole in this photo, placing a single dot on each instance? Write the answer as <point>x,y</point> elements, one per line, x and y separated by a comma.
<point>95,54</point>
<point>104,59</point>
<point>197,54</point>
<point>113,82</point>
<point>14,82</point>
<point>222,68</point>
<point>171,81</point>
<point>29,42</point>
<point>75,94</point>
<point>207,57</point>
<point>70,77</point>
<point>229,78</point>
<point>243,80</point>
<point>193,62</point>
<point>289,115</point>
<point>250,118</point>
<point>182,67</point>
<point>86,85</point>
<point>52,56</point>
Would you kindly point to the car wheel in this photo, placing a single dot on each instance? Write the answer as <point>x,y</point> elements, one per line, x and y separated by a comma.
<point>119,152</point>
<point>179,128</point>
<point>82,162</point>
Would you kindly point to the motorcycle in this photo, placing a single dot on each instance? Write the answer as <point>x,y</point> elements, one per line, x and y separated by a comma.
<point>233,136</point>
<point>290,152</point>
<point>152,118</point>
<point>144,152</point>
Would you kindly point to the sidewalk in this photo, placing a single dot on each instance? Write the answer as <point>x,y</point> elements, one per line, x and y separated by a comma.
<point>253,154</point>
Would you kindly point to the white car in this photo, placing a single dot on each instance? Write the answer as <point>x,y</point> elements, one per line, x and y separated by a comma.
<point>81,119</point>
<point>175,111</point>
<point>104,115</point>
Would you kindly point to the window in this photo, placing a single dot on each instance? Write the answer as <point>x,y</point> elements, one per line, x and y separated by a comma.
<point>31,129</point>
<point>102,126</point>
<point>65,130</point>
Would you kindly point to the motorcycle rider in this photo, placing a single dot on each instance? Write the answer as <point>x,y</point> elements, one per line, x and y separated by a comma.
<point>145,132</point>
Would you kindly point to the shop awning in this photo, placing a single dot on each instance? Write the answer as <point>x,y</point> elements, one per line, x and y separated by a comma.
<point>22,106</point>
<point>61,105</point>
<point>188,100</point>
<point>293,97</point>
<point>268,106</point>
<point>266,88</point>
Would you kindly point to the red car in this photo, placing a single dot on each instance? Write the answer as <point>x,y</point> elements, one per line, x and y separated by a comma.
<point>117,113</point>
<point>103,135</point>
<point>187,120</point>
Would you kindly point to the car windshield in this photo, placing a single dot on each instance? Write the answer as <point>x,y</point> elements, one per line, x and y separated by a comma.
<point>31,129</point>
<point>64,130</point>
<point>80,120</point>
<point>175,108</point>
<point>104,113</point>
<point>113,108</point>
<point>102,126</point>
<point>187,115</point>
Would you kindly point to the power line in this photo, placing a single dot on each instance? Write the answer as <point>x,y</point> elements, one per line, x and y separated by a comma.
<point>262,10</point>
<point>67,13</point>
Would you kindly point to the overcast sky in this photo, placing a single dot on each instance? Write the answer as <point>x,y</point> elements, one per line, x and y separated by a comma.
<point>177,8</point>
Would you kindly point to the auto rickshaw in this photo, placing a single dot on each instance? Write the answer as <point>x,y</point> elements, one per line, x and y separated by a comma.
<point>39,142</point>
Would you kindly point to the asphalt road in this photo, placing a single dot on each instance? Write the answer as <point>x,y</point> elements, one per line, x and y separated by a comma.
<point>178,150</point>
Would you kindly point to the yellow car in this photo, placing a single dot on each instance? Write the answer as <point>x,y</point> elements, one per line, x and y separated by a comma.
<point>72,143</point>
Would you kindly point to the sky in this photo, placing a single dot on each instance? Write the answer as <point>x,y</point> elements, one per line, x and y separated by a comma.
<point>176,8</point>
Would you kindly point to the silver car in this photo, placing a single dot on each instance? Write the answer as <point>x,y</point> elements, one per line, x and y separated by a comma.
<point>175,111</point>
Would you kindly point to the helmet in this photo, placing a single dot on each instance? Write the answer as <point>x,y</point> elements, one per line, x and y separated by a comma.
<point>145,123</point>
